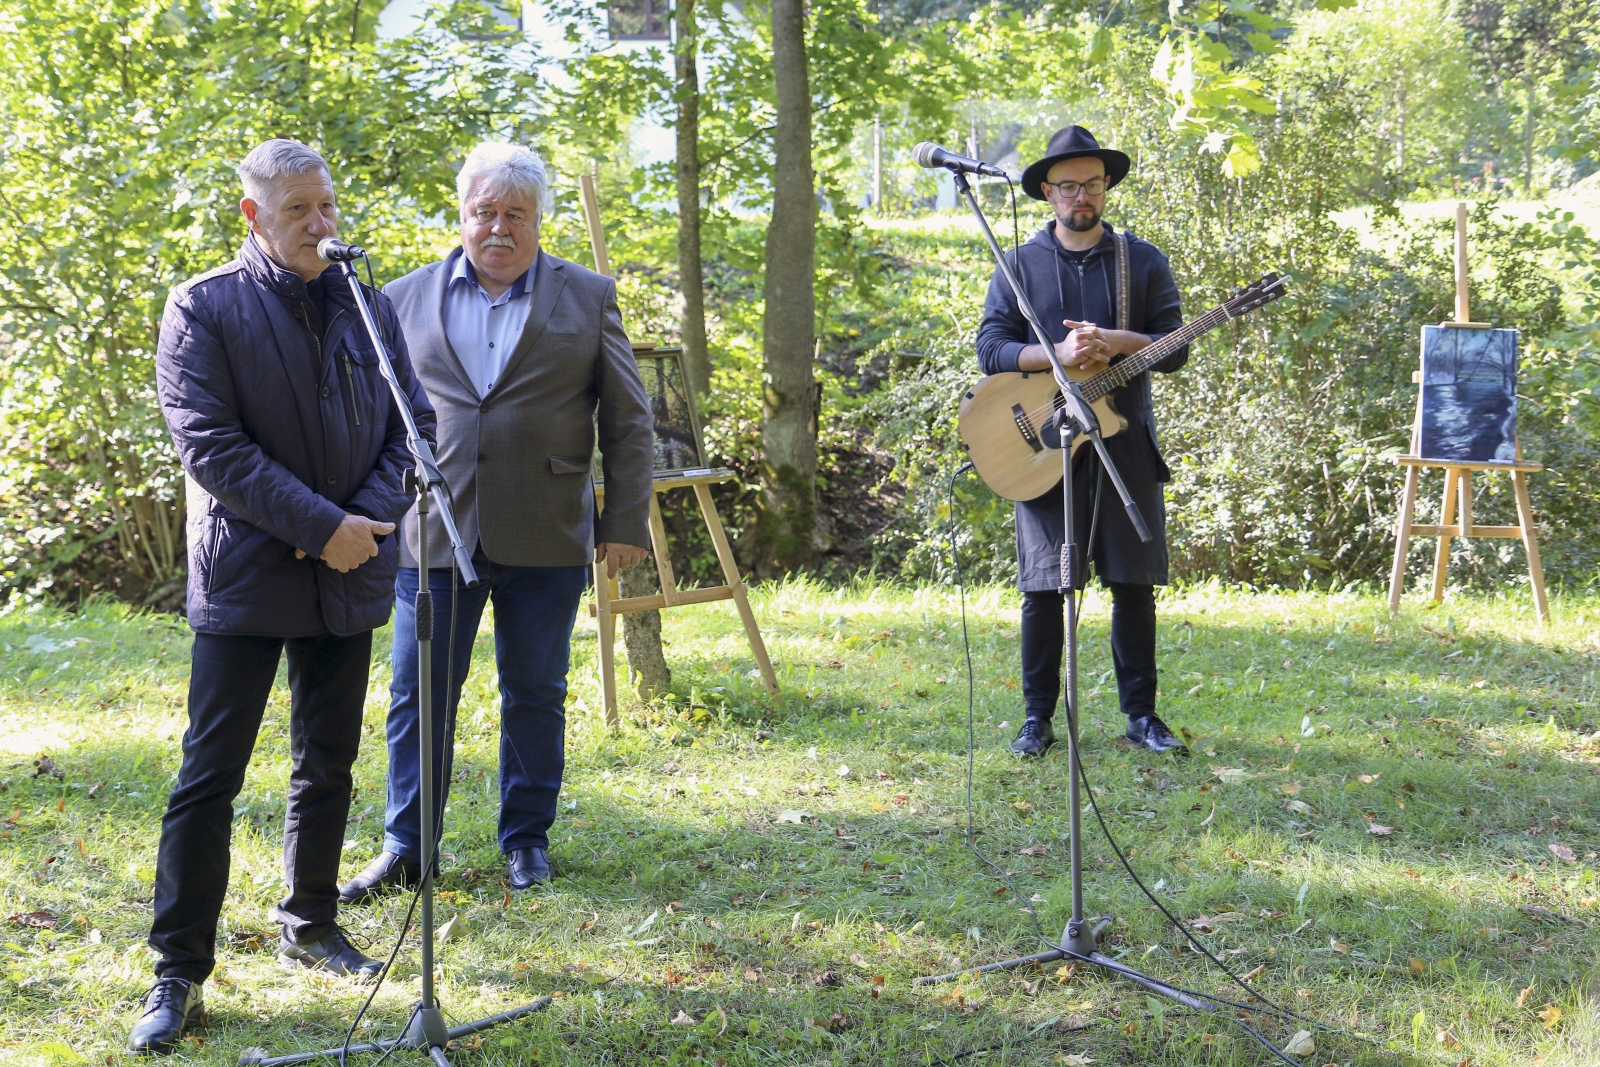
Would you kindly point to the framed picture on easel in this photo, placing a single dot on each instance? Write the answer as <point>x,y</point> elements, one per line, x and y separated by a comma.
<point>678,443</point>
<point>1469,395</point>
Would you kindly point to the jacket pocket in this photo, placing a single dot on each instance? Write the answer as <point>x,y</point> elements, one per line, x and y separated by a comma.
<point>568,465</point>
<point>213,538</point>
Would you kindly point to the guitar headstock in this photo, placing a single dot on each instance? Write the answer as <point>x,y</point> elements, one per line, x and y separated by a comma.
<point>1262,291</point>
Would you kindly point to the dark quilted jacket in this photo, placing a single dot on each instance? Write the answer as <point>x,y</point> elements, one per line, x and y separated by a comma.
<point>281,432</point>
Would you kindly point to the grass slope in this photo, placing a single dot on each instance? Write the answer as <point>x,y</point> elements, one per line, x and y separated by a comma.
<point>744,884</point>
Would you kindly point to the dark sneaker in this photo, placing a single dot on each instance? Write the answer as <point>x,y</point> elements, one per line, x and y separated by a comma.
<point>389,871</point>
<point>169,1008</point>
<point>529,867</point>
<point>333,953</point>
<point>1035,736</point>
<point>1151,733</point>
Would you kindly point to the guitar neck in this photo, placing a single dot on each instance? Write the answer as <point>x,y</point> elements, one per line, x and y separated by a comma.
<point>1116,377</point>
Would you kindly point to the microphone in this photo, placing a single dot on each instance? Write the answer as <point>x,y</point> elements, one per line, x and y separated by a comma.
<point>928,154</point>
<point>333,250</point>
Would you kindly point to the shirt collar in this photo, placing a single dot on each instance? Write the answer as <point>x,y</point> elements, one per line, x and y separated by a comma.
<point>462,270</point>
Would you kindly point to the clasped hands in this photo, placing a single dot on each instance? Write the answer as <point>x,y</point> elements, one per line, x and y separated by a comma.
<point>352,544</point>
<point>1084,346</point>
<point>355,542</point>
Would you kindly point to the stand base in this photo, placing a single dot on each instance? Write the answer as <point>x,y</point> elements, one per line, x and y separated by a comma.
<point>427,1031</point>
<point>1080,944</point>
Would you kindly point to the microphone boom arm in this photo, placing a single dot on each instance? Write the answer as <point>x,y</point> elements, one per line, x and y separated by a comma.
<point>429,478</point>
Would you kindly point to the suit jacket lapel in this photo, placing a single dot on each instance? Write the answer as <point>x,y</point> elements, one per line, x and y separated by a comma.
<point>548,281</point>
<point>438,340</point>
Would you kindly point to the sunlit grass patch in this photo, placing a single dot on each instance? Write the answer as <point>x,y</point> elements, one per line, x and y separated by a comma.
<point>759,881</point>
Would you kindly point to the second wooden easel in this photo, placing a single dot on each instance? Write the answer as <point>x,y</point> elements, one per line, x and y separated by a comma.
<point>1458,482</point>
<point>608,603</point>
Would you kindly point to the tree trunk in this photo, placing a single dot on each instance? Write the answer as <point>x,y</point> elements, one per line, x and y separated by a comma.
<point>789,403</point>
<point>641,633</point>
<point>1527,141</point>
<point>692,329</point>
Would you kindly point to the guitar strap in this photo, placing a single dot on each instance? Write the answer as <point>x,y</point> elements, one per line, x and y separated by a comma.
<point>1119,242</point>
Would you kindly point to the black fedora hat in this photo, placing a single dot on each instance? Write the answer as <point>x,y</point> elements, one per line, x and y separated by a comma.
<point>1070,143</point>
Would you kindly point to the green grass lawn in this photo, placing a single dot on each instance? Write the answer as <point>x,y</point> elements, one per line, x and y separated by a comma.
<point>742,882</point>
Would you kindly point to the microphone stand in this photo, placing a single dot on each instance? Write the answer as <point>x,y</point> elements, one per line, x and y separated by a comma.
<point>1078,941</point>
<point>427,1030</point>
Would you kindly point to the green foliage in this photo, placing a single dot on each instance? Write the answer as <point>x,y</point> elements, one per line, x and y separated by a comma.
<point>122,129</point>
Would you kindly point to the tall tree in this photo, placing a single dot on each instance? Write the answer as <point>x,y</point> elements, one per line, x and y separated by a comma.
<point>696,358</point>
<point>789,394</point>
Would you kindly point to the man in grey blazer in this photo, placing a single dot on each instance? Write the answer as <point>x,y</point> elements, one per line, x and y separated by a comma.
<point>526,362</point>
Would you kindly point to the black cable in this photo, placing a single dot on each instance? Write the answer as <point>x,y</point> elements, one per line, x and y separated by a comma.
<point>1272,1008</point>
<point>966,643</point>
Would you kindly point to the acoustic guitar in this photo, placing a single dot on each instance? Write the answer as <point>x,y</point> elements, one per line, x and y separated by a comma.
<point>1008,421</point>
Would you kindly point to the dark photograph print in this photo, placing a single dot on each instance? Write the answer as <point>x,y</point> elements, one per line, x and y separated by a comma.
<point>677,436</point>
<point>1469,394</point>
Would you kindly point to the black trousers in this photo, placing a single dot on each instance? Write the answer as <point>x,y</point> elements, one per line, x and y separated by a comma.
<point>1133,649</point>
<point>229,681</point>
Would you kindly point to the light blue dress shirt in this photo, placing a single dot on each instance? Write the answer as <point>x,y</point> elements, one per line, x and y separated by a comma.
<point>484,330</point>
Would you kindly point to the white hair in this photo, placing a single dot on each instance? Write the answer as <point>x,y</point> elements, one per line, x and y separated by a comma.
<point>278,158</point>
<point>504,168</point>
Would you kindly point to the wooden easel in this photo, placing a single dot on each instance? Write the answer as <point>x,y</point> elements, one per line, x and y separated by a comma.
<point>608,604</point>
<point>1458,482</point>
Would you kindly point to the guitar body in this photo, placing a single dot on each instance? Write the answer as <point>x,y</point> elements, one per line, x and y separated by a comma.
<point>1008,423</point>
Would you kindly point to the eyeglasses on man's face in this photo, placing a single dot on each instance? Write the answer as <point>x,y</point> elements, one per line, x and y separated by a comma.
<point>1070,190</point>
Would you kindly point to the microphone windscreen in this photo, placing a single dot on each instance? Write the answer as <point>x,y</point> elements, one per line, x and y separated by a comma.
<point>326,249</point>
<point>923,153</point>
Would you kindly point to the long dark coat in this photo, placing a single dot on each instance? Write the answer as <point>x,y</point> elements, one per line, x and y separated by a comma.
<point>281,433</point>
<point>1060,289</point>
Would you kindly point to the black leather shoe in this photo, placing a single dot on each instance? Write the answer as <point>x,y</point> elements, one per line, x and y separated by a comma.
<point>383,874</point>
<point>333,953</point>
<point>169,1008</point>
<point>529,867</point>
<point>1035,736</point>
<point>1150,732</point>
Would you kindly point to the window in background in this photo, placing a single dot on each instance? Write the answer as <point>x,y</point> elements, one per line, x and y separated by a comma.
<point>638,20</point>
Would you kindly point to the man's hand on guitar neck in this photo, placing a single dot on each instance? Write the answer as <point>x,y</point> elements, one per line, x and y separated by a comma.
<point>1086,346</point>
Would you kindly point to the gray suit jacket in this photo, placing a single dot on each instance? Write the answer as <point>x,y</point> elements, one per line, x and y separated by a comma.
<point>517,461</point>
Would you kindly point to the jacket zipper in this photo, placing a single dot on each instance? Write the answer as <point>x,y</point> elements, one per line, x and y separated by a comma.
<point>349,370</point>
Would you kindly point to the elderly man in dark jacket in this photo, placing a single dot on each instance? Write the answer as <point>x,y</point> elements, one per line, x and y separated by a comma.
<point>1069,270</point>
<point>295,456</point>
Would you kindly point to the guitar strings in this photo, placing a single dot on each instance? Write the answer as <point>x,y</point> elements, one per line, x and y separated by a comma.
<point>1193,329</point>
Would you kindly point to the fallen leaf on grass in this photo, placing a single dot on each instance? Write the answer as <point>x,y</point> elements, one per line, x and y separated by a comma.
<point>723,1016</point>
<point>1292,789</point>
<point>1207,820</point>
<point>1074,1059</point>
<point>798,816</point>
<point>1299,807</point>
<point>1022,805</point>
<point>1563,853</point>
<point>1301,1044</point>
<point>1338,946</point>
<point>1550,1016</point>
<point>1416,966</point>
<point>1447,1041</point>
<point>1257,973</point>
<point>683,1018</point>
<point>1367,779</point>
<point>1377,829</point>
<point>1230,774</point>
<point>1522,997</point>
<point>456,927</point>
<point>1033,850</point>
<point>41,920</point>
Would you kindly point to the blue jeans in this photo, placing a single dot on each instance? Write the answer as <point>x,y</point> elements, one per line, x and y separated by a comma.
<point>534,609</point>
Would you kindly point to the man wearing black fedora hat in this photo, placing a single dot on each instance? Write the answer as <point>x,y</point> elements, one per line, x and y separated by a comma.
<point>1073,271</point>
